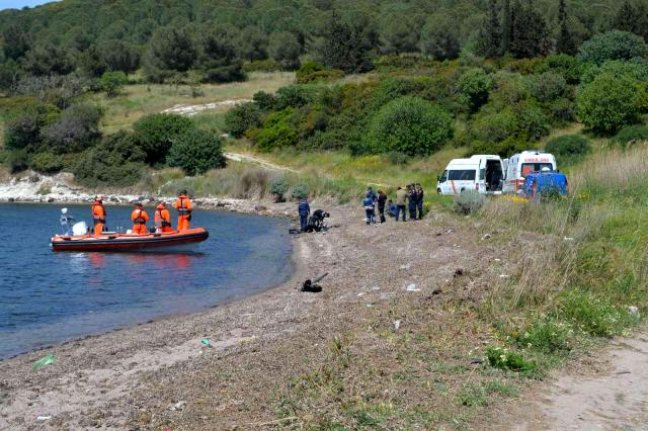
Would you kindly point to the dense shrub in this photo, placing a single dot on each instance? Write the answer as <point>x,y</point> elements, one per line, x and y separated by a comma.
<point>116,161</point>
<point>475,86</point>
<point>410,125</point>
<point>630,135</point>
<point>532,123</point>
<point>24,123</point>
<point>312,71</point>
<point>242,118</point>
<point>76,129</point>
<point>196,151</point>
<point>613,45</point>
<point>563,111</point>
<point>226,73</point>
<point>47,162</point>
<point>563,64</point>
<point>113,82</point>
<point>278,131</point>
<point>494,127</point>
<point>278,188</point>
<point>468,202</point>
<point>157,132</point>
<point>299,191</point>
<point>608,103</point>
<point>265,101</point>
<point>568,148</point>
<point>547,87</point>
<point>18,160</point>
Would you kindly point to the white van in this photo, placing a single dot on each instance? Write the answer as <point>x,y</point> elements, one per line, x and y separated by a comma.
<point>483,173</point>
<point>518,166</point>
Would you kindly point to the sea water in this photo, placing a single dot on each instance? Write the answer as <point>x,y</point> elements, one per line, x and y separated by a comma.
<point>48,297</point>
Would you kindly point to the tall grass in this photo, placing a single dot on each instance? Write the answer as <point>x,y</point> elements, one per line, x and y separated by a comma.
<point>580,261</point>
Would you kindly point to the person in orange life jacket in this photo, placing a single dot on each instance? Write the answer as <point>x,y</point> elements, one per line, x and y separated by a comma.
<point>163,218</point>
<point>139,218</point>
<point>98,215</point>
<point>183,206</point>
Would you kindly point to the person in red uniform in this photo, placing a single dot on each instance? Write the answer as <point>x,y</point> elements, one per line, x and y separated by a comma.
<point>98,215</point>
<point>139,218</point>
<point>183,206</point>
<point>163,218</point>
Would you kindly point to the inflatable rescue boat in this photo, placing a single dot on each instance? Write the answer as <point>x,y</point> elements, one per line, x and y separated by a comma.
<point>184,240</point>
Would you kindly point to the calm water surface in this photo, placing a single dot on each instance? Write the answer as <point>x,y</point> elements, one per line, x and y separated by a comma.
<point>48,297</point>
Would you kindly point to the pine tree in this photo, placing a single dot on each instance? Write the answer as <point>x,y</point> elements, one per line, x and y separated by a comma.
<point>506,27</point>
<point>565,43</point>
<point>632,17</point>
<point>490,35</point>
<point>529,32</point>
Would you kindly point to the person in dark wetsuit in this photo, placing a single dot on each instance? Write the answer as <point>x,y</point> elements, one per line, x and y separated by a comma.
<point>382,200</point>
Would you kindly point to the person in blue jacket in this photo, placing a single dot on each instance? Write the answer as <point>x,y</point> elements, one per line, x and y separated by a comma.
<point>304,212</point>
<point>368,204</point>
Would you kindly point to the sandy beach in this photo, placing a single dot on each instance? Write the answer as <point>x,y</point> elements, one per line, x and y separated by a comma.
<point>153,375</point>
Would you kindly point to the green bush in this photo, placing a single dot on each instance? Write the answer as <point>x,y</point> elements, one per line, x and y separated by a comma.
<point>113,82</point>
<point>242,118</point>
<point>75,130</point>
<point>18,160</point>
<point>24,121</point>
<point>613,45</point>
<point>278,131</point>
<point>608,103</point>
<point>196,151</point>
<point>267,65</point>
<point>547,336</point>
<point>410,125</point>
<point>468,202</point>
<point>499,357</point>
<point>156,133</point>
<point>265,101</point>
<point>568,149</point>
<point>547,87</point>
<point>563,64</point>
<point>494,127</point>
<point>300,191</point>
<point>278,188</point>
<point>312,71</point>
<point>47,163</point>
<point>592,314</point>
<point>474,87</point>
<point>630,135</point>
<point>563,111</point>
<point>116,161</point>
<point>226,73</point>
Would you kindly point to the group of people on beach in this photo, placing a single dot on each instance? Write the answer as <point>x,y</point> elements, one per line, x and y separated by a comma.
<point>140,217</point>
<point>409,198</point>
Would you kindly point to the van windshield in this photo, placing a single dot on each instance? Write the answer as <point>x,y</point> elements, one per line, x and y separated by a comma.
<point>462,175</point>
<point>528,168</point>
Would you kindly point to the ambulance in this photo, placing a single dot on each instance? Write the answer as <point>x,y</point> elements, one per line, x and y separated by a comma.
<point>518,166</point>
<point>482,173</point>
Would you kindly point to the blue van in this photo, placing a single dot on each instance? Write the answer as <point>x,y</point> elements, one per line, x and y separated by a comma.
<point>539,183</point>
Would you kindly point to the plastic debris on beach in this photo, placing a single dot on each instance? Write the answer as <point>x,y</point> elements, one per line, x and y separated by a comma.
<point>397,324</point>
<point>412,288</point>
<point>43,418</point>
<point>205,342</point>
<point>44,361</point>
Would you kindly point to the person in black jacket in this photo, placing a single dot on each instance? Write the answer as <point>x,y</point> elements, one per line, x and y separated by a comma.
<point>419,200</point>
<point>411,204</point>
<point>382,200</point>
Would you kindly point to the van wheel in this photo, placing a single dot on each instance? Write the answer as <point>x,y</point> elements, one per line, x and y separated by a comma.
<point>438,191</point>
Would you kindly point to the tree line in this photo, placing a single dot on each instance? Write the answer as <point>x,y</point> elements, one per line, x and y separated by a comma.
<point>214,40</point>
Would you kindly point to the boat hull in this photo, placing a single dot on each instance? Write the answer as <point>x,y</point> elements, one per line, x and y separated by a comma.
<point>164,242</point>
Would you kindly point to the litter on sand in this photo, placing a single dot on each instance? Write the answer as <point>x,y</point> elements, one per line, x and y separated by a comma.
<point>397,324</point>
<point>205,342</point>
<point>412,288</point>
<point>43,418</point>
<point>44,361</point>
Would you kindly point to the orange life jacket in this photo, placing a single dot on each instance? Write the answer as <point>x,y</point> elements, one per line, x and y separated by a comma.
<point>98,212</point>
<point>183,205</point>
<point>162,216</point>
<point>139,216</point>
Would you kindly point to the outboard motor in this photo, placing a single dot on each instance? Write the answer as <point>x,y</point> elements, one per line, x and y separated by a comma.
<point>66,221</point>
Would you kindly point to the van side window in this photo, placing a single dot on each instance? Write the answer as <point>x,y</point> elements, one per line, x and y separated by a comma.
<point>462,175</point>
<point>482,174</point>
<point>444,177</point>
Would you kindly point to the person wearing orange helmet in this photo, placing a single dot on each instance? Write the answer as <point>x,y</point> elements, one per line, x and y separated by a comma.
<point>139,218</point>
<point>98,215</point>
<point>163,218</point>
<point>184,207</point>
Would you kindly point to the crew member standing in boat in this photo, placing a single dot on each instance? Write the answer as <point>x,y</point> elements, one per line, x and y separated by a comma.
<point>139,218</point>
<point>163,218</point>
<point>183,205</point>
<point>98,215</point>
